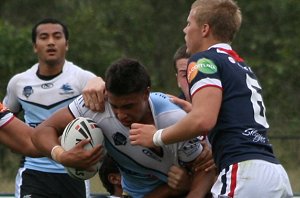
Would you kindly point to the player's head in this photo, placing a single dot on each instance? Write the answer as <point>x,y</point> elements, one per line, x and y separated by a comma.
<point>49,21</point>
<point>110,176</point>
<point>50,42</point>
<point>128,87</point>
<point>180,61</point>
<point>214,19</point>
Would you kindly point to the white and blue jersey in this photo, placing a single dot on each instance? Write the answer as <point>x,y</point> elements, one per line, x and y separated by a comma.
<point>241,130</point>
<point>142,169</point>
<point>39,99</point>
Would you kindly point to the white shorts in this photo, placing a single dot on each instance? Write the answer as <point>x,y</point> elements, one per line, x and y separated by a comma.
<point>252,179</point>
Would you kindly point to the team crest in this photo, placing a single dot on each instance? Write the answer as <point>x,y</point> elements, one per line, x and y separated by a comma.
<point>119,139</point>
<point>27,91</point>
<point>66,89</point>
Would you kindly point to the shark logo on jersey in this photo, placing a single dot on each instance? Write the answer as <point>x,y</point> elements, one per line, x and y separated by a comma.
<point>66,89</point>
<point>119,139</point>
<point>151,154</point>
<point>27,91</point>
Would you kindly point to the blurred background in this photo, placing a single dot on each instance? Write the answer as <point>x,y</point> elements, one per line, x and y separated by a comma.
<point>151,31</point>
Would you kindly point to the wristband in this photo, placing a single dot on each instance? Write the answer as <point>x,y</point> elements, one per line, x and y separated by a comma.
<point>157,141</point>
<point>56,151</point>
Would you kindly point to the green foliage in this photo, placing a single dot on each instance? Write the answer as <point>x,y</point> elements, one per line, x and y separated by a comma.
<point>269,42</point>
<point>15,52</point>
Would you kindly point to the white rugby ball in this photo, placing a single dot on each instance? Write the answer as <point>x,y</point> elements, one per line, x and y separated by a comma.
<point>77,130</point>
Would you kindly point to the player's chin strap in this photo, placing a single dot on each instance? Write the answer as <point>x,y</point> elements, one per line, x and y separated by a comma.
<point>157,141</point>
<point>56,151</point>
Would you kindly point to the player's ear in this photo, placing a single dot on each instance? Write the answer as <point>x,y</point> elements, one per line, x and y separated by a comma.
<point>147,92</point>
<point>34,48</point>
<point>67,45</point>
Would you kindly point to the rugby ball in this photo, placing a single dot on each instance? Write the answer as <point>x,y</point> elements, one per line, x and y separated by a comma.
<point>77,130</point>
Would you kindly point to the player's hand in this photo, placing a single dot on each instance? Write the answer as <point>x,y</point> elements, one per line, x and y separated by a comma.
<point>78,157</point>
<point>94,94</point>
<point>142,134</point>
<point>205,160</point>
<point>185,105</point>
<point>178,179</point>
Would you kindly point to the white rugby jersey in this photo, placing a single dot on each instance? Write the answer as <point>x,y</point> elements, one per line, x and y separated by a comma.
<point>39,99</point>
<point>142,169</point>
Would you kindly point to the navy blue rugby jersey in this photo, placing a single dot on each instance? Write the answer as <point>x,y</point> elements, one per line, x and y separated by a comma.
<point>241,130</point>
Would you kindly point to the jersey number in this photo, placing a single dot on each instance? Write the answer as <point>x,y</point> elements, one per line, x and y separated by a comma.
<point>257,101</point>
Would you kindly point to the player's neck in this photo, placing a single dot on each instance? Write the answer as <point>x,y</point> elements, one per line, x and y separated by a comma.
<point>148,118</point>
<point>45,69</point>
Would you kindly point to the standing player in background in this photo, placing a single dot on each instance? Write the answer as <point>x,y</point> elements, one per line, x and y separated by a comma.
<point>227,105</point>
<point>47,86</point>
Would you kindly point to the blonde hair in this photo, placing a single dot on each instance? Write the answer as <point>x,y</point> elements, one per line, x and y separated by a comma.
<point>223,17</point>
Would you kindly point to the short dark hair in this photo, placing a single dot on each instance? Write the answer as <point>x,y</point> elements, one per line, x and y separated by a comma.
<point>108,166</point>
<point>47,21</point>
<point>126,76</point>
<point>179,54</point>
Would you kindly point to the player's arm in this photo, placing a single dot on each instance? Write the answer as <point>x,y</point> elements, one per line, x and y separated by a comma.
<point>185,105</point>
<point>195,184</point>
<point>199,121</point>
<point>16,135</point>
<point>94,94</point>
<point>205,160</point>
<point>202,182</point>
<point>46,135</point>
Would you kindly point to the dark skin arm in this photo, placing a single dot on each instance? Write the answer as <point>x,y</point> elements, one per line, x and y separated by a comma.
<point>181,183</point>
<point>46,135</point>
<point>16,135</point>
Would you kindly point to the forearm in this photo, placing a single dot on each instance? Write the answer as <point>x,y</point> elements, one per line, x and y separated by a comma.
<point>202,184</point>
<point>16,135</point>
<point>200,120</point>
<point>187,128</point>
<point>46,134</point>
<point>45,138</point>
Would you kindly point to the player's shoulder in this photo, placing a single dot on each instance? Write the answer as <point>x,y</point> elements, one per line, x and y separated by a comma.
<point>27,74</point>
<point>161,102</point>
<point>70,67</point>
<point>212,54</point>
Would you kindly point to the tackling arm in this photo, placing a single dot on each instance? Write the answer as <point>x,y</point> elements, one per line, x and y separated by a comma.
<point>16,135</point>
<point>46,135</point>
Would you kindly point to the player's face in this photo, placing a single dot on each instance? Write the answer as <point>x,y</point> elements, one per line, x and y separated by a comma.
<point>130,108</point>
<point>193,34</point>
<point>181,66</point>
<point>51,45</point>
